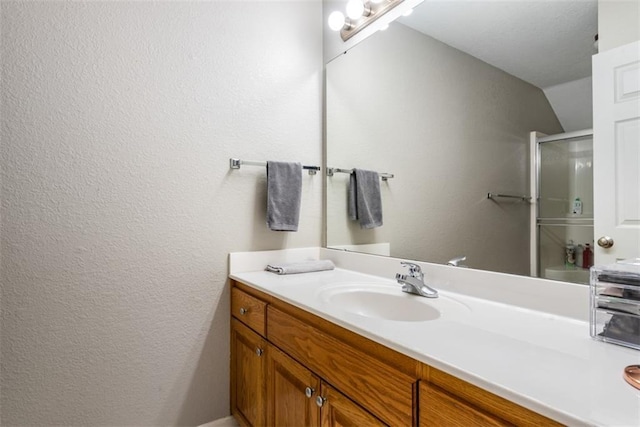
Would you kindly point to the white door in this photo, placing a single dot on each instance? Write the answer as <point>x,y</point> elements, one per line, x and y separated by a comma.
<point>616,152</point>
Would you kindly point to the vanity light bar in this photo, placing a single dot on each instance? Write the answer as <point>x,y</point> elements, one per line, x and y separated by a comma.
<point>373,11</point>
<point>330,171</point>
<point>236,163</point>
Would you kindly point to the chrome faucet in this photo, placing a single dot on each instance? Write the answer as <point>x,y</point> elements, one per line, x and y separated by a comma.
<point>413,282</point>
<point>455,262</point>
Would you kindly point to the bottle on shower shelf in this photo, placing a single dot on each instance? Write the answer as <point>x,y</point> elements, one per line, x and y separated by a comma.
<point>577,206</point>
<point>587,256</point>
<point>570,255</point>
<point>579,255</point>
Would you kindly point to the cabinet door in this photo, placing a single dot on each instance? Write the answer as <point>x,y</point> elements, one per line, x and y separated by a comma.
<point>439,408</point>
<point>291,392</point>
<point>248,374</point>
<point>338,410</point>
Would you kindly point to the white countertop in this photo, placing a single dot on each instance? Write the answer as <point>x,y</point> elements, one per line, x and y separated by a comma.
<point>544,362</point>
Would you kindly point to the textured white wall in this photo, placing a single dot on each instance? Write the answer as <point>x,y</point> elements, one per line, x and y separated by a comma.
<point>618,23</point>
<point>572,103</point>
<point>118,206</point>
<point>451,128</point>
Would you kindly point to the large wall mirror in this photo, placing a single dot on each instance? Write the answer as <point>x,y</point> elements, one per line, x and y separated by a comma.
<point>445,100</point>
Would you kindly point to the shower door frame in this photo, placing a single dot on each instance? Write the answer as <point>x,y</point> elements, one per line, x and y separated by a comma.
<point>536,139</point>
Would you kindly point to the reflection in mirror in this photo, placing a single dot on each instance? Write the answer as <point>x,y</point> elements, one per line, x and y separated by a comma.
<point>451,128</point>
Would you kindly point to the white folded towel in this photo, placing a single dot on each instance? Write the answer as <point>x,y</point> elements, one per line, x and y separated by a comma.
<point>301,267</point>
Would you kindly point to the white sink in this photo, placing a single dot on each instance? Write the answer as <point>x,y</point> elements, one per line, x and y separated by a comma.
<point>387,302</point>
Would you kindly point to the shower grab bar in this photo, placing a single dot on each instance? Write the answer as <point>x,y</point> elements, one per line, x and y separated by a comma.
<point>385,176</point>
<point>493,196</point>
<point>236,163</point>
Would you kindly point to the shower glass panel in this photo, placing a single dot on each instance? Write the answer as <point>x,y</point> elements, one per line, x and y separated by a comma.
<point>565,206</point>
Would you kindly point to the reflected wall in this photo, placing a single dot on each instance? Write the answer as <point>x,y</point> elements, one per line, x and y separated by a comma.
<point>450,128</point>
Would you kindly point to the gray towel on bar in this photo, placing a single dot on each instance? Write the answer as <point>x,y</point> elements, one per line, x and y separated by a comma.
<point>351,208</point>
<point>301,267</point>
<point>364,189</point>
<point>284,192</point>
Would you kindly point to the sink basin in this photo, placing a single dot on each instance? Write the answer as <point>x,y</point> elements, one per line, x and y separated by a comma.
<point>387,302</point>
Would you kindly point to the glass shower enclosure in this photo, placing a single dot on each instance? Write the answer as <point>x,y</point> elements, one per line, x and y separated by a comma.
<point>562,208</point>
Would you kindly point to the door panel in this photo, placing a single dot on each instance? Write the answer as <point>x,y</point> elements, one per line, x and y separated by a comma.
<point>248,370</point>
<point>340,411</point>
<point>616,146</point>
<point>292,390</point>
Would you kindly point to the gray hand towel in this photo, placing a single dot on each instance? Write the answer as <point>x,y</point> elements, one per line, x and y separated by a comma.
<point>301,267</point>
<point>368,201</point>
<point>352,208</point>
<point>284,192</point>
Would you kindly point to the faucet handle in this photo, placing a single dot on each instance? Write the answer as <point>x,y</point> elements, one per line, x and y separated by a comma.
<point>414,269</point>
<point>456,261</point>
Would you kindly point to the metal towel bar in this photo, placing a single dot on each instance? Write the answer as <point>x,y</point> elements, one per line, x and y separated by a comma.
<point>330,171</point>
<point>236,163</point>
<point>493,196</point>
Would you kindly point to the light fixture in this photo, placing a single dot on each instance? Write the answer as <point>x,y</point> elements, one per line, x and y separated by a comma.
<point>355,9</point>
<point>408,12</point>
<point>361,13</point>
<point>336,20</point>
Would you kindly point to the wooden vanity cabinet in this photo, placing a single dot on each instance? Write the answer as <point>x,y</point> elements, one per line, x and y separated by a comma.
<point>248,375</point>
<point>291,392</point>
<point>338,410</point>
<point>298,398</point>
<point>292,368</point>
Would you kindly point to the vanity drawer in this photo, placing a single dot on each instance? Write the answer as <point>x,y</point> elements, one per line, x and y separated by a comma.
<point>249,310</point>
<point>474,402</point>
<point>382,390</point>
<point>439,408</point>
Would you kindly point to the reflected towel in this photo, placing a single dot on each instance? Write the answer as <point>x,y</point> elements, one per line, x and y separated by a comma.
<point>284,193</point>
<point>351,208</point>
<point>365,202</point>
<point>301,267</point>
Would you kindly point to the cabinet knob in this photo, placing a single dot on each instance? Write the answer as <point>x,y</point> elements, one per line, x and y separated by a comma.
<point>309,392</point>
<point>605,242</point>
<point>320,401</point>
<point>259,351</point>
<point>243,311</point>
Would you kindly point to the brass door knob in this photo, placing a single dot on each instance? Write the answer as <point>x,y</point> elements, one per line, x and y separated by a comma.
<point>605,242</point>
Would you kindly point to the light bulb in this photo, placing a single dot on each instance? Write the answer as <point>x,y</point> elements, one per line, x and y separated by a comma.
<point>336,20</point>
<point>408,12</point>
<point>355,9</point>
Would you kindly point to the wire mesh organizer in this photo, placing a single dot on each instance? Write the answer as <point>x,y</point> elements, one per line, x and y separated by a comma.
<point>615,303</point>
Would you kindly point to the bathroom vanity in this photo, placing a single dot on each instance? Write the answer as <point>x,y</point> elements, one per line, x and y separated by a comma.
<point>291,367</point>
<point>323,349</point>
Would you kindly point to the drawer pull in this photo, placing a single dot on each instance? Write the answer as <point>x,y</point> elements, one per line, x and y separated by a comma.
<point>243,311</point>
<point>309,392</point>
<point>320,401</point>
<point>259,351</point>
